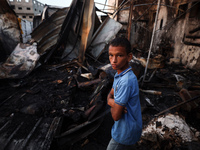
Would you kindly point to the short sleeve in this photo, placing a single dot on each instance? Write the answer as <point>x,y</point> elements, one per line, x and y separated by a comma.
<point>122,94</point>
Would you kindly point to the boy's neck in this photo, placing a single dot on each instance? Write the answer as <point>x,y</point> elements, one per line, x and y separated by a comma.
<point>120,71</point>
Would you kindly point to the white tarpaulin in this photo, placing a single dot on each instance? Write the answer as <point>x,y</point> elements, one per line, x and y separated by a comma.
<point>21,62</point>
<point>170,127</point>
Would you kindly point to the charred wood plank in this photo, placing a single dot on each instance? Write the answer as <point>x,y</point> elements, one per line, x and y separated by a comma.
<point>17,93</point>
<point>82,66</point>
<point>158,85</point>
<point>82,125</point>
<point>30,134</point>
<point>152,92</point>
<point>78,135</point>
<point>185,95</point>
<point>192,37</point>
<point>8,98</point>
<point>190,43</point>
<point>88,83</point>
<point>175,106</point>
<point>4,125</point>
<point>11,136</point>
<point>53,67</point>
<point>194,87</point>
<point>51,132</point>
<point>194,30</point>
<point>98,90</point>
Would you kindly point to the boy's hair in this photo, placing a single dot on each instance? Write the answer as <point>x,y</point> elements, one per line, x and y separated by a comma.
<point>122,41</point>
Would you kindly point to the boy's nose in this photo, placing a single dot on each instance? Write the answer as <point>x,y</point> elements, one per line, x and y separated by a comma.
<point>114,60</point>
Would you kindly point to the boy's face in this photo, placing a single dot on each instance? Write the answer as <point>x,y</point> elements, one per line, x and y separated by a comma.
<point>119,58</point>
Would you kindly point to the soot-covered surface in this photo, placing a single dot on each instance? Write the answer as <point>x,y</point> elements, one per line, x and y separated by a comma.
<point>46,103</point>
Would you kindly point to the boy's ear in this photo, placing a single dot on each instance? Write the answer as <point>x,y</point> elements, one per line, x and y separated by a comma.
<point>130,56</point>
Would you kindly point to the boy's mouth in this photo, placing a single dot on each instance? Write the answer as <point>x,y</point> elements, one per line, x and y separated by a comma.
<point>114,66</point>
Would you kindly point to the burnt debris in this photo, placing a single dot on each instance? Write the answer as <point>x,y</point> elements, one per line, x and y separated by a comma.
<point>53,88</point>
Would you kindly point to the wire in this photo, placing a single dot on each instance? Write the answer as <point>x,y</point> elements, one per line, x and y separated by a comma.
<point>152,39</point>
<point>120,7</point>
<point>104,5</point>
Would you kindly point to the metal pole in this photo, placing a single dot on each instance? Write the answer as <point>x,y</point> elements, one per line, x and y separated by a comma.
<point>130,20</point>
<point>152,39</point>
<point>104,5</point>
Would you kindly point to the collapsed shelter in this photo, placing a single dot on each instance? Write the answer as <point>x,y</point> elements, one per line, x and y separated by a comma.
<point>54,87</point>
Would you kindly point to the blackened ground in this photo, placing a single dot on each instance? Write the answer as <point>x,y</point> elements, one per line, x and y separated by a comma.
<point>46,94</point>
<point>100,138</point>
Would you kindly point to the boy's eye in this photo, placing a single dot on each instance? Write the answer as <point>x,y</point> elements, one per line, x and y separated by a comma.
<point>110,55</point>
<point>120,55</point>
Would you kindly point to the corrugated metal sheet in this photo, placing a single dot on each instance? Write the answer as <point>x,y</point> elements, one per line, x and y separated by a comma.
<point>52,34</point>
<point>47,33</point>
<point>106,32</point>
<point>87,28</point>
<point>24,135</point>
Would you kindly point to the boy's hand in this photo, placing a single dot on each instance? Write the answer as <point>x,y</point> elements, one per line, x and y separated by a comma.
<point>125,110</point>
<point>116,110</point>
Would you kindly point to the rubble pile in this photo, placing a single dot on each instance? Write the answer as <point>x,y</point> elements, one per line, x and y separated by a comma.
<point>51,82</point>
<point>170,108</point>
<point>170,128</point>
<point>50,92</point>
<point>53,88</point>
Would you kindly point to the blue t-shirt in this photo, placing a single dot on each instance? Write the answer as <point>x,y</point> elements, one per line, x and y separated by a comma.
<point>127,130</point>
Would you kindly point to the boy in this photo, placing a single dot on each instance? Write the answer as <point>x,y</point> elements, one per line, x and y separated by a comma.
<point>124,98</point>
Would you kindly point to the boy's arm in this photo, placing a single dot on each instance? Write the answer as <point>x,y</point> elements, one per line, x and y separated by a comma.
<point>116,110</point>
<point>110,98</point>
